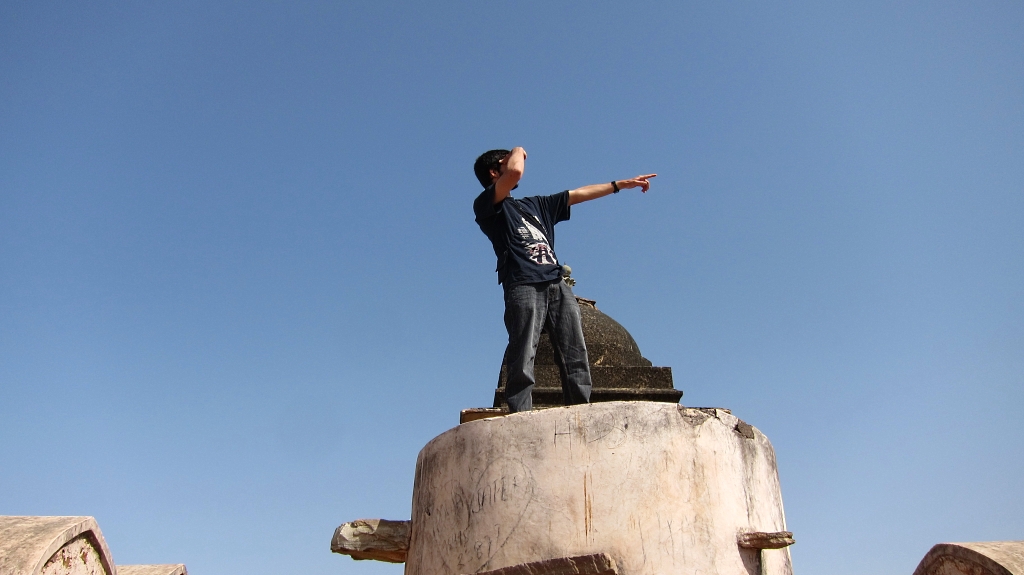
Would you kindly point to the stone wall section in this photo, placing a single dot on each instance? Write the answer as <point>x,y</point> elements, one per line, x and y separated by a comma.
<point>31,545</point>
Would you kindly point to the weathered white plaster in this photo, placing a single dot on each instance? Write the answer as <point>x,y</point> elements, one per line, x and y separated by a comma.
<point>659,487</point>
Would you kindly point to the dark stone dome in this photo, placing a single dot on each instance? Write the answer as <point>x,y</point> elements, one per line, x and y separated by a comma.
<point>608,343</point>
<point>617,369</point>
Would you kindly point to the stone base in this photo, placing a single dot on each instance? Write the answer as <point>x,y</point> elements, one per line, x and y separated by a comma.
<point>611,383</point>
<point>659,488</point>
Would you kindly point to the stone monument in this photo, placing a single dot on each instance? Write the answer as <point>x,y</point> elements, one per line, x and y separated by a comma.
<point>632,483</point>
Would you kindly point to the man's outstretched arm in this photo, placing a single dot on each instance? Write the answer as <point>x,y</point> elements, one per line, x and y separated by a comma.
<point>600,190</point>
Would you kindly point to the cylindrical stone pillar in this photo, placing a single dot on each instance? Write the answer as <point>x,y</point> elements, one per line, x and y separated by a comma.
<point>659,487</point>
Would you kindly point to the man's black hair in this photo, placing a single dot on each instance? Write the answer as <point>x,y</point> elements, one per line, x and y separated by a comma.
<point>489,160</point>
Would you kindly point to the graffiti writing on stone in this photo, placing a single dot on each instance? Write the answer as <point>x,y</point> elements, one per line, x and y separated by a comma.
<point>469,522</point>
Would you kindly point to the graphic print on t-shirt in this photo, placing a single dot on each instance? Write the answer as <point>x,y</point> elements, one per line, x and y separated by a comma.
<point>536,243</point>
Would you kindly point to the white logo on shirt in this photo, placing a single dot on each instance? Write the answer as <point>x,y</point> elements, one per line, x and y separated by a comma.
<point>536,244</point>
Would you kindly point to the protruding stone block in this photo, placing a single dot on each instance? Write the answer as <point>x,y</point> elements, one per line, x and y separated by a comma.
<point>377,539</point>
<point>53,546</point>
<point>476,413</point>
<point>166,569</point>
<point>988,558</point>
<point>762,540</point>
<point>658,487</point>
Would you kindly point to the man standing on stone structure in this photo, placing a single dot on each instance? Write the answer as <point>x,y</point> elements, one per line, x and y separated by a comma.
<point>522,232</point>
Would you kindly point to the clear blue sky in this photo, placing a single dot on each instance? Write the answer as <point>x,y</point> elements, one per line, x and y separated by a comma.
<point>241,286</point>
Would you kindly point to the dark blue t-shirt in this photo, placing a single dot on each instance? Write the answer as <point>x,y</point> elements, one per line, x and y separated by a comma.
<point>523,234</point>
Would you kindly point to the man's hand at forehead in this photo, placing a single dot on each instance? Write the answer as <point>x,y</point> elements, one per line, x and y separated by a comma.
<point>510,171</point>
<point>504,161</point>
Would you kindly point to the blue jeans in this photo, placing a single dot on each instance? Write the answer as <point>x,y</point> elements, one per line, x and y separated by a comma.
<point>551,305</point>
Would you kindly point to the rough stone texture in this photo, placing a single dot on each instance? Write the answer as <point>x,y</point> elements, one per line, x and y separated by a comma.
<point>659,487</point>
<point>53,546</point>
<point>988,558</point>
<point>762,540</point>
<point>377,539</point>
<point>77,557</point>
<point>598,564</point>
<point>168,569</point>
<point>618,371</point>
